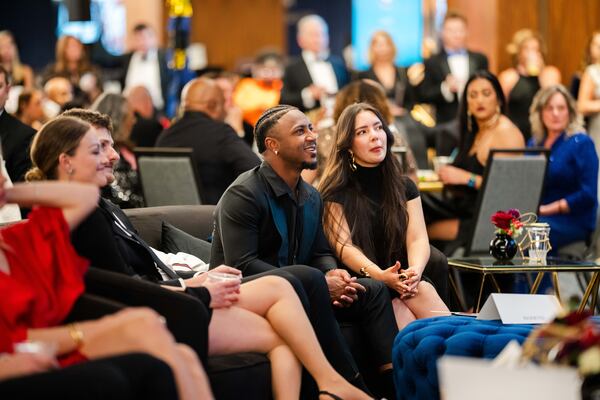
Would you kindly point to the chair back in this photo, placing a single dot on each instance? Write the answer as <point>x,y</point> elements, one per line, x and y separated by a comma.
<point>168,176</point>
<point>514,180</point>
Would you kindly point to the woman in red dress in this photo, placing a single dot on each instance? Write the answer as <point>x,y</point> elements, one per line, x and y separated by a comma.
<point>41,277</point>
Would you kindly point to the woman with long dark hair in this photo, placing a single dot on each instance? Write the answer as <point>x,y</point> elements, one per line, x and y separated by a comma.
<point>373,216</point>
<point>483,126</point>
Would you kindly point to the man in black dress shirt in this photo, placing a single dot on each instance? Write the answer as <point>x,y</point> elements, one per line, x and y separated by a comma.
<point>315,75</point>
<point>14,136</point>
<point>447,72</point>
<point>219,152</point>
<point>269,221</point>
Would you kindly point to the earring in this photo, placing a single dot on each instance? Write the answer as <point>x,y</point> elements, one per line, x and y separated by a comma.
<point>276,152</point>
<point>469,123</point>
<point>352,163</point>
<point>70,171</point>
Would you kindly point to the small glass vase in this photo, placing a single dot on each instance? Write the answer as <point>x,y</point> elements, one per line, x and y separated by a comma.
<point>503,247</point>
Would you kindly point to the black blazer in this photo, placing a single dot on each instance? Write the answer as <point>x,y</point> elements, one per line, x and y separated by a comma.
<point>163,68</point>
<point>99,240</point>
<point>16,138</point>
<point>108,247</point>
<point>296,77</point>
<point>220,154</point>
<point>145,131</point>
<point>436,70</point>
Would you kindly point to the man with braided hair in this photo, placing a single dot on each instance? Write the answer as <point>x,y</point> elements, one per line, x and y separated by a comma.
<point>269,222</point>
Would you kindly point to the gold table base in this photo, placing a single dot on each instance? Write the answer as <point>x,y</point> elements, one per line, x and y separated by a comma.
<point>474,264</point>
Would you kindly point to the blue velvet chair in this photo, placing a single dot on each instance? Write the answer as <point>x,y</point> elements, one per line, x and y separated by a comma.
<point>418,347</point>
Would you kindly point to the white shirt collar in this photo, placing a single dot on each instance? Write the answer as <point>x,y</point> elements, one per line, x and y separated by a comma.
<point>310,56</point>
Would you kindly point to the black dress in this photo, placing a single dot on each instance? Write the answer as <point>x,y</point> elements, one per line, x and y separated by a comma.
<point>402,93</point>
<point>519,101</point>
<point>369,181</point>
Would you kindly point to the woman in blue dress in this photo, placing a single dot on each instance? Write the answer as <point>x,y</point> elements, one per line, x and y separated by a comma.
<point>569,201</point>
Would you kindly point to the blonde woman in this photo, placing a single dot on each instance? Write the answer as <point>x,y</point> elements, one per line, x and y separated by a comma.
<point>397,81</point>
<point>588,101</point>
<point>570,190</point>
<point>529,73</point>
<point>21,74</point>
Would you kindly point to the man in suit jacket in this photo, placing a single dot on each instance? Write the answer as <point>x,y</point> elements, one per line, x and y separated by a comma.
<point>147,65</point>
<point>269,222</point>
<point>15,136</point>
<point>220,154</point>
<point>447,72</point>
<point>316,74</point>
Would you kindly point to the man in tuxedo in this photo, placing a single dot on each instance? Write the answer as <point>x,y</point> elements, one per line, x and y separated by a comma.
<point>269,222</point>
<point>316,74</point>
<point>15,136</point>
<point>447,72</point>
<point>147,65</point>
<point>220,154</point>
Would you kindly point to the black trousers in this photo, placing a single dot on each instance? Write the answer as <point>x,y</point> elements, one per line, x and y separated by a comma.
<point>131,376</point>
<point>374,315</point>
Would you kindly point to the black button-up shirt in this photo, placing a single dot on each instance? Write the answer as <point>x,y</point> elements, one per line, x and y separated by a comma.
<point>245,234</point>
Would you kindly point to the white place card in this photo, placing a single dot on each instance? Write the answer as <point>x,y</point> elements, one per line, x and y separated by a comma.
<point>475,379</point>
<point>520,308</point>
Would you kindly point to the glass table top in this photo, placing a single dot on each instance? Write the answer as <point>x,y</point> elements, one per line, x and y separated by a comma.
<point>517,264</point>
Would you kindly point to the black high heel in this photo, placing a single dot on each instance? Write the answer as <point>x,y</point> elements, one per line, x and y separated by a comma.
<point>333,396</point>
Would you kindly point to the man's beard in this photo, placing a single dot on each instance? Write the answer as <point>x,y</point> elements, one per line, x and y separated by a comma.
<point>309,165</point>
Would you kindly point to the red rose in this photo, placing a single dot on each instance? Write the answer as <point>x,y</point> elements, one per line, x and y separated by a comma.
<point>502,220</point>
<point>574,318</point>
<point>514,212</point>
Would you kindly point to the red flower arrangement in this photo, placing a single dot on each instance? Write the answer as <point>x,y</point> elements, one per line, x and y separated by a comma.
<point>572,340</point>
<point>507,222</point>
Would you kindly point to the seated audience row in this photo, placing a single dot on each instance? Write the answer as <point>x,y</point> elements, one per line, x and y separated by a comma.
<point>71,149</point>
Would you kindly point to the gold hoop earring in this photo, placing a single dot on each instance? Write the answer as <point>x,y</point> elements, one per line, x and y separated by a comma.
<point>352,163</point>
<point>469,123</point>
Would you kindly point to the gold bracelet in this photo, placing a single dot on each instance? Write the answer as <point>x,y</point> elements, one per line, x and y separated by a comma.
<point>76,334</point>
<point>364,272</point>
